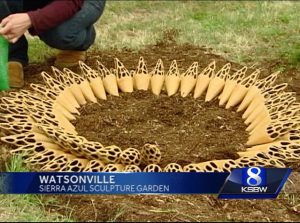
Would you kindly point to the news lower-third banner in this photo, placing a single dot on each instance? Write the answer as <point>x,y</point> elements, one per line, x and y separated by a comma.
<point>253,182</point>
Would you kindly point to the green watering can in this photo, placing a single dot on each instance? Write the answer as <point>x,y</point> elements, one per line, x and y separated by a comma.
<point>4,81</point>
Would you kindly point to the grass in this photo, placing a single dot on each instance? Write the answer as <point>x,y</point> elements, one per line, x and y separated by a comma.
<point>26,208</point>
<point>245,32</point>
<point>120,211</point>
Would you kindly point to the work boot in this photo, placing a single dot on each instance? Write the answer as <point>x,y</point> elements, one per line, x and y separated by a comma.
<point>16,74</point>
<point>69,58</point>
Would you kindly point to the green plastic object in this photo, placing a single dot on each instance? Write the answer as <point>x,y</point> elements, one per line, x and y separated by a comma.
<point>4,81</point>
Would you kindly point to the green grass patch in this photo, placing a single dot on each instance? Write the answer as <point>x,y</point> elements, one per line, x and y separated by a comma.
<point>16,165</point>
<point>240,31</point>
<point>245,32</point>
<point>27,208</point>
<point>38,51</point>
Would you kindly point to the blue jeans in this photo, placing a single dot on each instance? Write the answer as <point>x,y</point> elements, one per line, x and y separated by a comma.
<point>77,33</point>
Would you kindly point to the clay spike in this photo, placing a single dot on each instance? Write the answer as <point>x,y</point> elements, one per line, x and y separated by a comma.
<point>141,76</point>
<point>189,79</point>
<point>251,94</point>
<point>216,85</point>
<point>172,79</point>
<point>124,78</point>
<point>157,78</point>
<point>109,80</point>
<point>203,79</point>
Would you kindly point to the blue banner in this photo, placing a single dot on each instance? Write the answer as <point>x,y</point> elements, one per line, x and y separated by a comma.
<point>240,183</point>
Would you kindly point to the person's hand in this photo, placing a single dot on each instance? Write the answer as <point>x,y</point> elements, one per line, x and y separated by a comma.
<point>14,26</point>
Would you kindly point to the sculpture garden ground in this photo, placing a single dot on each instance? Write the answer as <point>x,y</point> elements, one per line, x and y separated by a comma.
<point>186,130</point>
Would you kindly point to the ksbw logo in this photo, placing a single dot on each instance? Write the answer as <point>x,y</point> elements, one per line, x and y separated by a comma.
<point>254,180</point>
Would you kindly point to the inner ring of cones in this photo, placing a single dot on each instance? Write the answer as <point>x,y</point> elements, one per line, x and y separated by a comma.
<point>38,121</point>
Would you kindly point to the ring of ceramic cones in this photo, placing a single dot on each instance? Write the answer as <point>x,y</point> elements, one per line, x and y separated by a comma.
<point>37,121</point>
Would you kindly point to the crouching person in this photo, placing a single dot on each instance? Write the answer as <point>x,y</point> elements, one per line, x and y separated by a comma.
<point>67,25</point>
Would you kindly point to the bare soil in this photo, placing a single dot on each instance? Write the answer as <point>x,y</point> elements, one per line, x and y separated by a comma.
<point>186,130</point>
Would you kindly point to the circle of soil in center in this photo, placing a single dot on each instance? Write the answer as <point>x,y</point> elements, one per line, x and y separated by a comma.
<point>186,130</point>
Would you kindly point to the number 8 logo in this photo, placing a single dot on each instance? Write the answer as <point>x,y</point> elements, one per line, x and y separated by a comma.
<point>254,176</point>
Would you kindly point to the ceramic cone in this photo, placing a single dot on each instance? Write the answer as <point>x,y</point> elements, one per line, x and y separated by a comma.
<point>49,145</point>
<point>236,96</point>
<point>94,165</point>
<point>251,94</point>
<point>113,168</point>
<point>98,88</point>
<point>260,122</point>
<point>172,79</point>
<point>268,81</point>
<point>141,76</point>
<point>61,99</point>
<point>110,84</point>
<point>172,84</point>
<point>157,78</point>
<point>132,169</point>
<point>258,101</point>
<point>241,90</point>
<point>124,78</point>
<point>27,150</point>
<point>215,87</point>
<point>43,90</point>
<point>77,165</point>
<point>291,137</point>
<point>248,153</point>
<point>228,89</point>
<point>40,159</point>
<point>25,139</point>
<point>87,91</point>
<point>188,83</point>
<point>157,82</point>
<point>63,122</point>
<point>222,164</point>
<point>142,81</point>
<point>125,84</point>
<point>58,107</point>
<point>192,168</point>
<point>259,137</point>
<point>52,83</point>
<point>87,71</point>
<point>152,168</point>
<point>76,91</point>
<point>259,113</point>
<point>173,167</point>
<point>110,81</point>
<point>201,85</point>
<point>264,147</point>
<point>207,167</point>
<point>55,165</point>
<point>69,96</point>
<point>189,79</point>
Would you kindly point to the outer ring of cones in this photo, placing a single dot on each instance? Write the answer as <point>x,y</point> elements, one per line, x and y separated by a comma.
<point>60,101</point>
